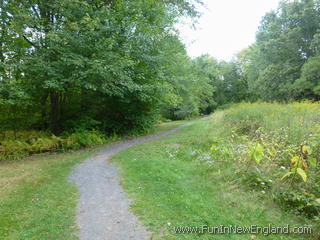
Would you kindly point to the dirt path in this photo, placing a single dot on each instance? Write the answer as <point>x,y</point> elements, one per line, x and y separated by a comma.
<point>103,211</point>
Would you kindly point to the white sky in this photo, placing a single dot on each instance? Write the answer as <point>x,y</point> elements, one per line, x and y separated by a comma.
<point>225,27</point>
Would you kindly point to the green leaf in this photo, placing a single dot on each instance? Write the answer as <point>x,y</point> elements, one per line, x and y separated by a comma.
<point>295,160</point>
<point>286,175</point>
<point>306,150</point>
<point>313,162</point>
<point>257,153</point>
<point>213,148</point>
<point>302,173</point>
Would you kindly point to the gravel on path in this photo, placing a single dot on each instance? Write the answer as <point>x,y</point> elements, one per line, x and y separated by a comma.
<point>103,211</point>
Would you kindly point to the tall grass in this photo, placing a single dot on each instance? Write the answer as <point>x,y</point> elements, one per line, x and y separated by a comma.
<point>262,141</point>
<point>208,173</point>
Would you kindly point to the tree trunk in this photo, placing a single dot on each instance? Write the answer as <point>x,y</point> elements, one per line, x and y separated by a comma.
<point>55,112</point>
<point>44,116</point>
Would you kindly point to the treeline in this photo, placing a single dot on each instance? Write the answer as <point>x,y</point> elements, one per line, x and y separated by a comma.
<point>119,66</point>
<point>113,65</point>
<point>284,63</point>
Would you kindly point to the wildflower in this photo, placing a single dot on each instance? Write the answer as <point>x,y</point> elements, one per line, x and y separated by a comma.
<point>193,152</point>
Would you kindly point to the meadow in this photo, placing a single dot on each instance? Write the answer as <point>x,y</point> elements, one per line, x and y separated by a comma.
<point>250,164</point>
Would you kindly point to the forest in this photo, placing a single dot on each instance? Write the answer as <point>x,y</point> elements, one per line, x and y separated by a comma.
<point>120,66</point>
<point>76,75</point>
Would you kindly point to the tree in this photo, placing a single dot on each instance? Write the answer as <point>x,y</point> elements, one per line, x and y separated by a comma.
<point>285,42</point>
<point>99,60</point>
<point>227,84</point>
<point>309,83</point>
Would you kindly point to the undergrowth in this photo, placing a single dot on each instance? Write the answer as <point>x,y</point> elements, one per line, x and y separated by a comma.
<point>275,149</point>
<point>226,171</point>
<point>26,143</point>
<point>16,145</point>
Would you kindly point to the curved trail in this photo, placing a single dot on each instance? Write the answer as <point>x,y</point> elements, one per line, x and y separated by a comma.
<point>103,210</point>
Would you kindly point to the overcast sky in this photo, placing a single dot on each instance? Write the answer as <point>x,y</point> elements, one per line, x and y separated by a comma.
<point>226,27</point>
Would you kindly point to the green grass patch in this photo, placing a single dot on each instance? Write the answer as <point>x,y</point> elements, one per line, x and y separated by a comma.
<point>177,181</point>
<point>36,200</point>
<point>166,126</point>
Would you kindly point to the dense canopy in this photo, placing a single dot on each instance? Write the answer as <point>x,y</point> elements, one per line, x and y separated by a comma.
<point>119,66</point>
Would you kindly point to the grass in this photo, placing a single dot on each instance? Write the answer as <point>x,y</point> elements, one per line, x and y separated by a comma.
<point>176,181</point>
<point>36,199</point>
<point>165,126</point>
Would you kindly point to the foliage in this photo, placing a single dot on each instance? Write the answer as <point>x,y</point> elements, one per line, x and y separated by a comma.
<point>192,90</point>
<point>20,144</point>
<point>84,138</point>
<point>193,178</point>
<point>265,139</point>
<point>300,164</point>
<point>308,83</point>
<point>119,66</point>
<point>300,203</point>
<point>15,105</point>
<point>227,84</point>
<point>108,61</point>
<point>27,143</point>
<point>283,64</point>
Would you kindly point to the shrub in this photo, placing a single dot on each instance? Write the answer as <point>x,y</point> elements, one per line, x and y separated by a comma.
<point>15,149</point>
<point>300,203</point>
<point>33,142</point>
<point>84,138</point>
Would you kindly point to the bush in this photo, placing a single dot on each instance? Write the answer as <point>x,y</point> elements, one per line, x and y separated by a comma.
<point>300,203</point>
<point>35,142</point>
<point>84,138</point>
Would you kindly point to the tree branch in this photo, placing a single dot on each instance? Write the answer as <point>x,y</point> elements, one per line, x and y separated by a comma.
<point>31,43</point>
<point>36,12</point>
